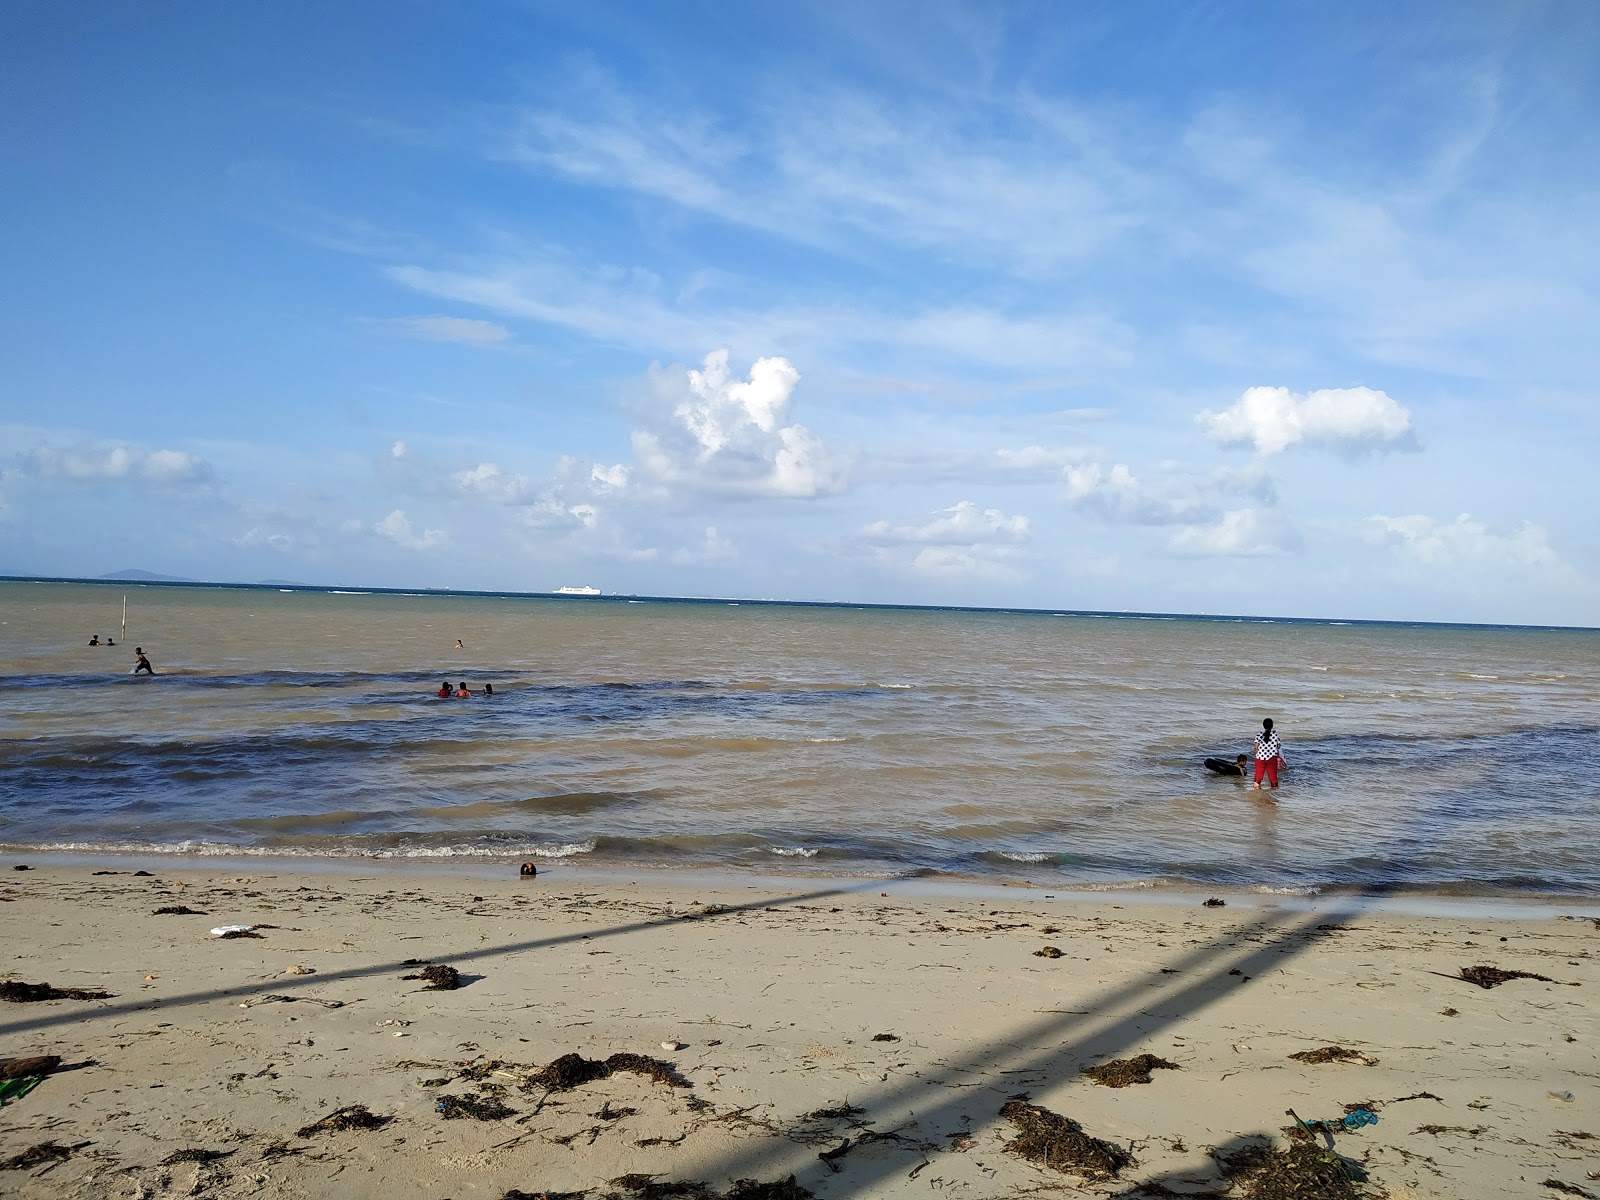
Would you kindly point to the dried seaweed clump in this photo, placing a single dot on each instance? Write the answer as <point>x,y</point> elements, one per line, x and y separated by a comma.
<point>1048,952</point>
<point>1303,1172</point>
<point>1121,1072</point>
<point>354,1116</point>
<point>27,993</point>
<point>33,1156</point>
<point>839,1112</point>
<point>177,910</point>
<point>646,1187</point>
<point>479,1108</point>
<point>517,1194</point>
<point>1058,1142</point>
<point>1488,977</point>
<point>1339,1054</point>
<point>572,1070</point>
<point>194,1155</point>
<point>439,977</point>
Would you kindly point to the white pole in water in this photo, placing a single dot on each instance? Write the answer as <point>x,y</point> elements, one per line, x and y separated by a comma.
<point>124,618</point>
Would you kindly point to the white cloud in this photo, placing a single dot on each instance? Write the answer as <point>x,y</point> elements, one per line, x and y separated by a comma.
<point>1241,533</point>
<point>1465,542</point>
<point>397,528</point>
<point>962,542</point>
<point>487,481</point>
<point>256,538</point>
<point>962,524</point>
<point>160,468</point>
<point>1342,419</point>
<point>464,331</point>
<point>725,436</point>
<point>712,547</point>
<point>1117,494</point>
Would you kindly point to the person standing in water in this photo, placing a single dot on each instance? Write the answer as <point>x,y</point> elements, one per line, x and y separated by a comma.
<point>142,664</point>
<point>1269,755</point>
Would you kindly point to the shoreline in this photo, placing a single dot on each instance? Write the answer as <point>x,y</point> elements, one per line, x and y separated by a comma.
<point>865,1040</point>
<point>926,884</point>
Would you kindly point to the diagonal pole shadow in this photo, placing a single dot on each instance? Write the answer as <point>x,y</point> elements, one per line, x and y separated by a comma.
<point>277,986</point>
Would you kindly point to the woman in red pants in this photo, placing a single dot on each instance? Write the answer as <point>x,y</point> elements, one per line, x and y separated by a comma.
<point>1269,755</point>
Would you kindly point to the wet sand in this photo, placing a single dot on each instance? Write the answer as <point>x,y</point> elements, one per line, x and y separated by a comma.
<point>865,1044</point>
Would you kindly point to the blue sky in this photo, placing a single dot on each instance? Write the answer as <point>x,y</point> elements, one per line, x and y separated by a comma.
<point>1217,307</point>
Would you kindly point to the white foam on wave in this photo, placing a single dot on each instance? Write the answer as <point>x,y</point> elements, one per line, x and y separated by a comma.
<point>1305,890</point>
<point>899,687</point>
<point>1027,856</point>
<point>792,851</point>
<point>823,740</point>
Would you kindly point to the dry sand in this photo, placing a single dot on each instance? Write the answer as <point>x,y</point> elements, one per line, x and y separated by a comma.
<point>864,1044</point>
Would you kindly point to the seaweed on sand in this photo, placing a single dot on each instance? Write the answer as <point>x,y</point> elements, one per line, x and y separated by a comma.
<point>1488,977</point>
<point>354,1116</point>
<point>44,1152</point>
<point>573,1070</point>
<point>27,993</point>
<point>1058,1142</point>
<point>645,1187</point>
<point>1121,1072</point>
<point>439,977</point>
<point>1340,1054</point>
<point>1302,1172</point>
<point>479,1108</point>
<point>194,1155</point>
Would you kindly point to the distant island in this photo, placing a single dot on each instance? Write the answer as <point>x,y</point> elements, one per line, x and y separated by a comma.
<point>133,575</point>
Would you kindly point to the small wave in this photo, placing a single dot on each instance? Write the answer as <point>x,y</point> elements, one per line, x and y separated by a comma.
<point>1024,856</point>
<point>1470,675</point>
<point>823,740</point>
<point>1303,890</point>
<point>899,687</point>
<point>792,852</point>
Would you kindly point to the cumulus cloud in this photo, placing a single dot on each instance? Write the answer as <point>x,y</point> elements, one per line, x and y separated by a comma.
<point>1240,533</point>
<point>1463,542</point>
<point>463,331</point>
<point>1181,497</point>
<point>487,481</point>
<point>158,468</point>
<point>726,436</point>
<point>959,542</point>
<point>397,528</point>
<point>1349,420</point>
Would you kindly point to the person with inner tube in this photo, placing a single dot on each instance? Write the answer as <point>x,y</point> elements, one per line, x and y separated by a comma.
<point>1269,755</point>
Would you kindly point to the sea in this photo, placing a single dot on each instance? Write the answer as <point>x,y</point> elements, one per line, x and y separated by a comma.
<point>1055,749</point>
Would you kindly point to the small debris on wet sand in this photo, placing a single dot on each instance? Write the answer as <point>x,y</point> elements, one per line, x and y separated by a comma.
<point>1124,1071</point>
<point>1215,902</point>
<point>1048,952</point>
<point>178,910</point>
<point>1060,1143</point>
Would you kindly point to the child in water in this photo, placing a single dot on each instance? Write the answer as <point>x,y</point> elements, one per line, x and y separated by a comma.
<point>444,690</point>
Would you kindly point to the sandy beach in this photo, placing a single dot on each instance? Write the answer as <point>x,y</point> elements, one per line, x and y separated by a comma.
<point>631,1037</point>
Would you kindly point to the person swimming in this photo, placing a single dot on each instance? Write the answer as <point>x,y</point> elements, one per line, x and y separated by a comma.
<point>1223,767</point>
<point>95,640</point>
<point>488,689</point>
<point>444,692</point>
<point>462,692</point>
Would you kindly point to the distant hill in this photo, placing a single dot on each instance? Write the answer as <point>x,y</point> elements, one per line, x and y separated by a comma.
<point>132,575</point>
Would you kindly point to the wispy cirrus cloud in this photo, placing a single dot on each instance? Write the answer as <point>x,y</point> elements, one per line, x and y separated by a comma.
<point>463,331</point>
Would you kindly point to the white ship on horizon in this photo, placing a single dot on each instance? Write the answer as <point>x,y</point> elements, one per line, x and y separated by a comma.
<point>576,591</point>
